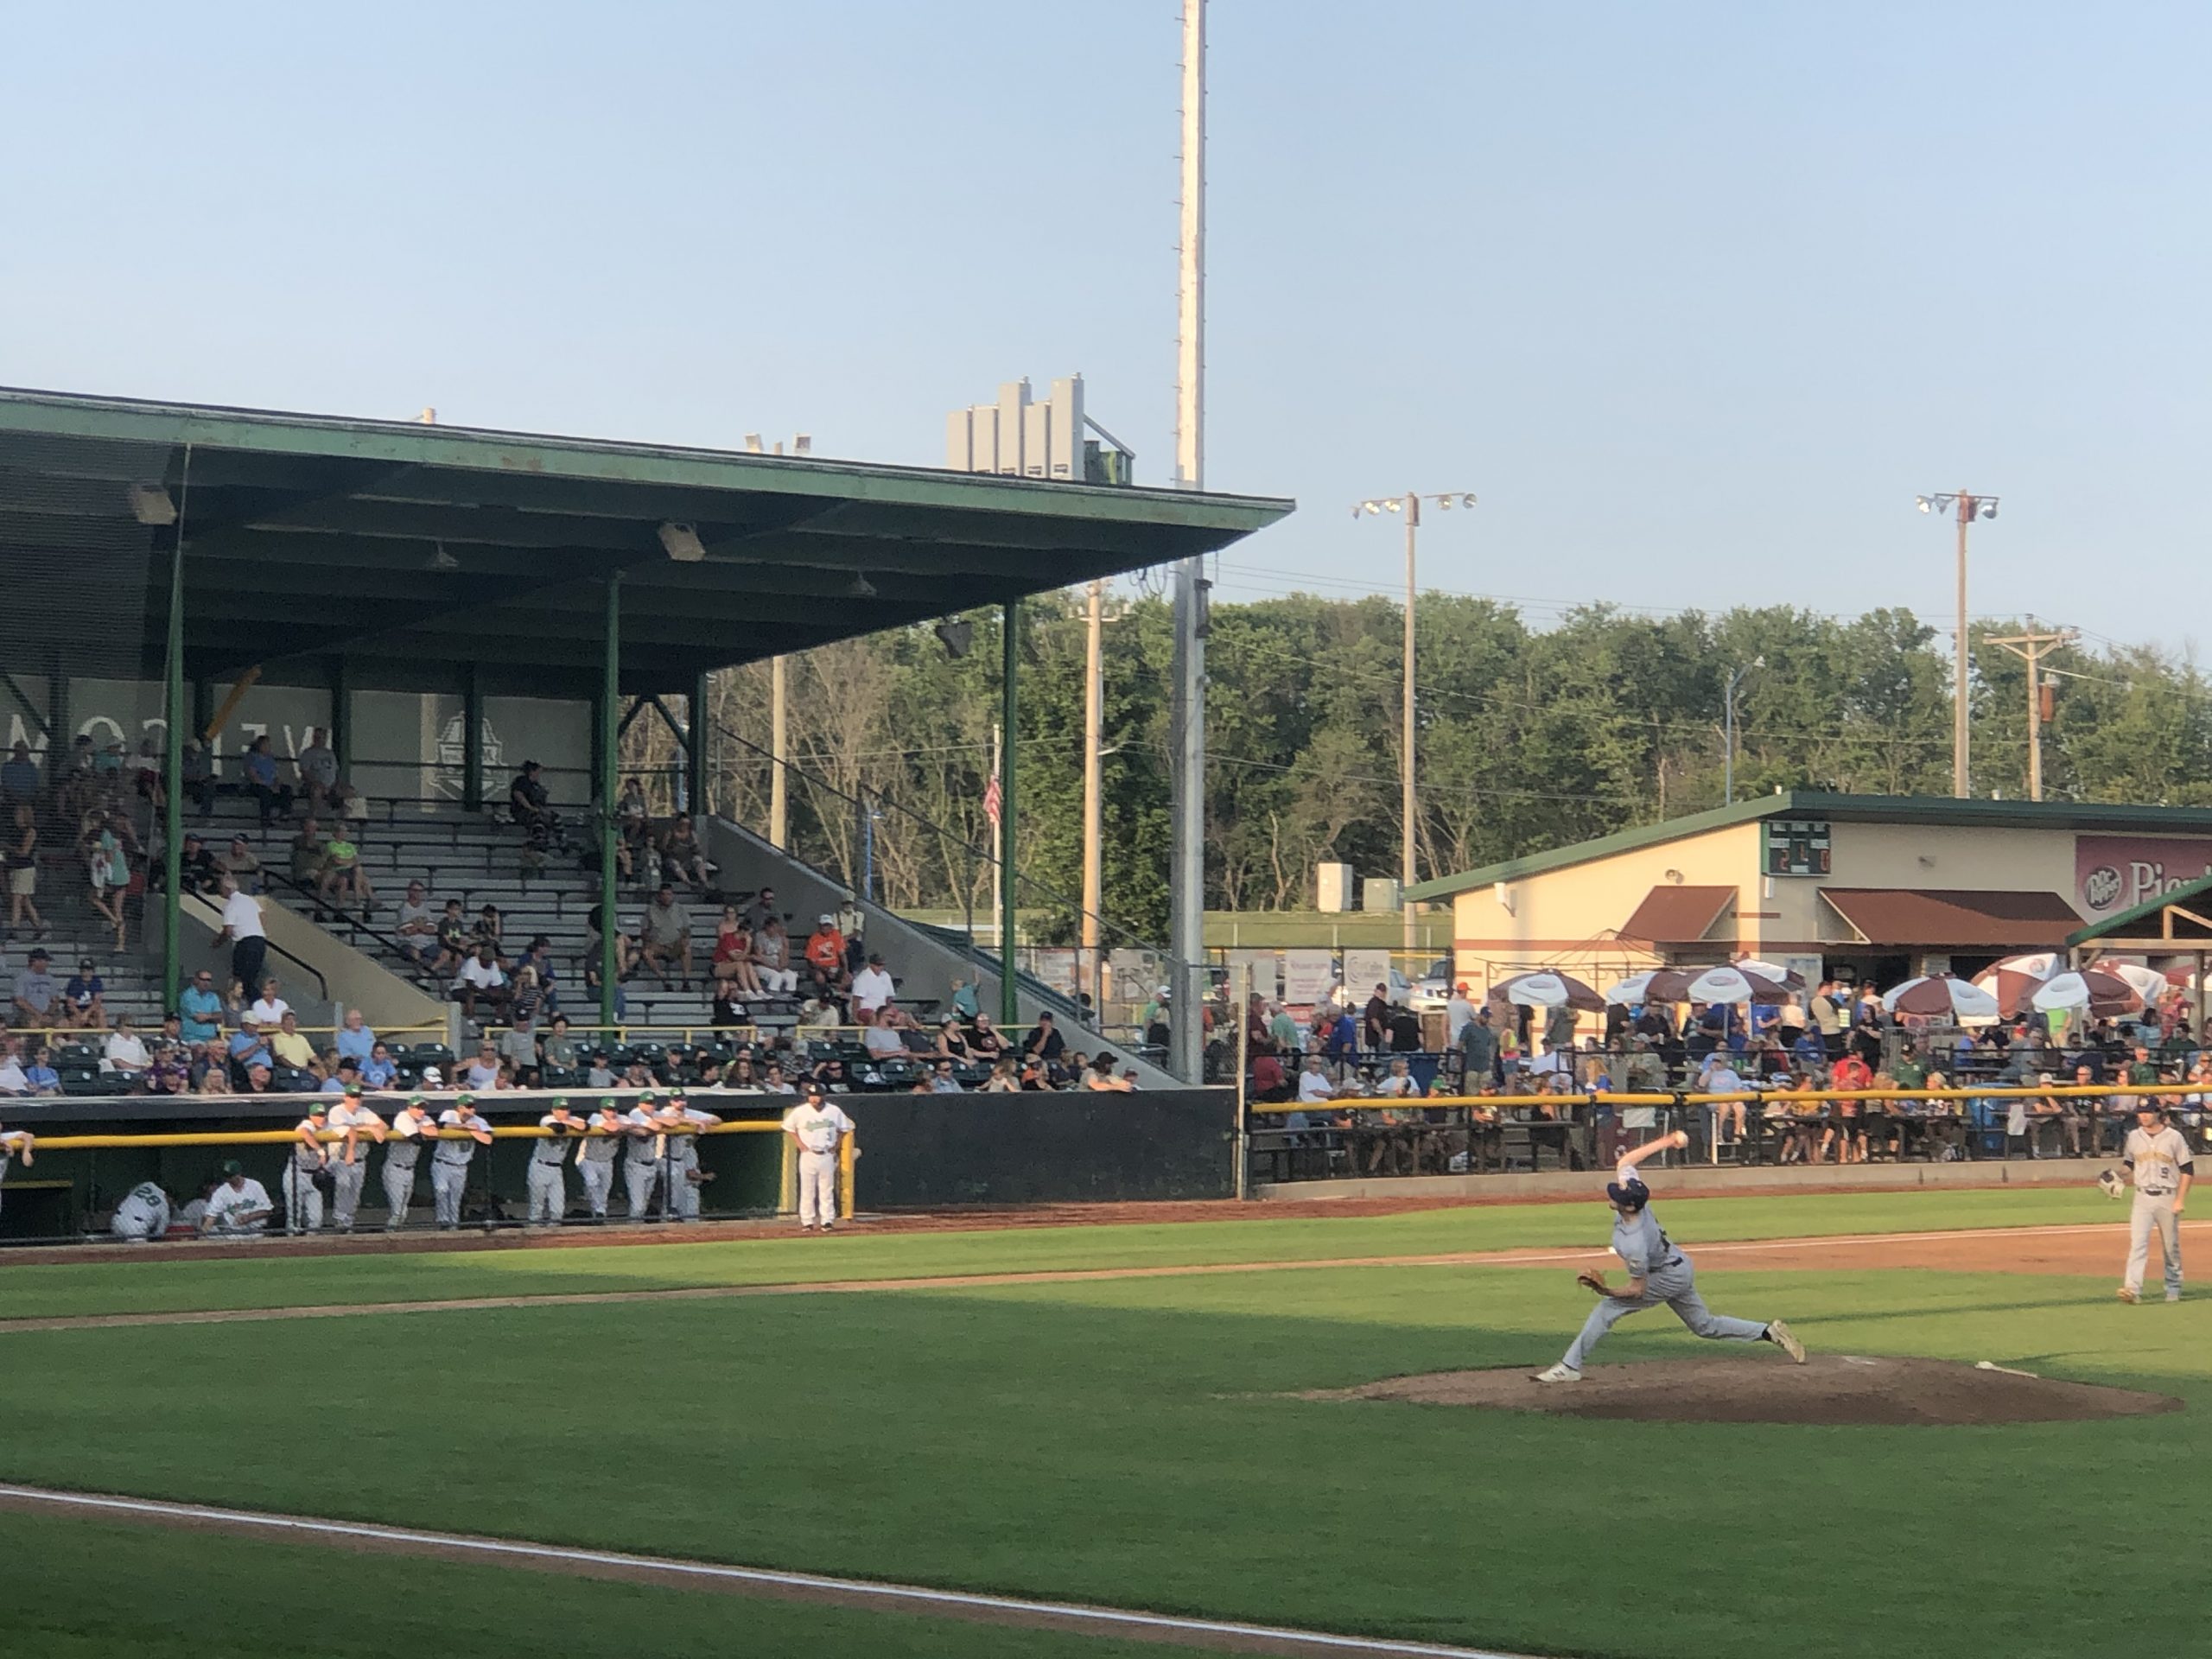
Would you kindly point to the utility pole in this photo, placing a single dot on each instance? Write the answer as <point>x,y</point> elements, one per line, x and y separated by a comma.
<point>2029,647</point>
<point>1729,687</point>
<point>1408,806</point>
<point>1188,876</point>
<point>1094,804</point>
<point>778,797</point>
<point>1969,507</point>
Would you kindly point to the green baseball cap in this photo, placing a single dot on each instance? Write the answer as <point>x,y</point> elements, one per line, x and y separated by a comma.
<point>353,1089</point>
<point>464,1100</point>
<point>560,1103</point>
<point>232,1167</point>
<point>608,1103</point>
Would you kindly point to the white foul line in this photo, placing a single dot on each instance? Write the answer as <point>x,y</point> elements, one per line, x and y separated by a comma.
<point>1108,1619</point>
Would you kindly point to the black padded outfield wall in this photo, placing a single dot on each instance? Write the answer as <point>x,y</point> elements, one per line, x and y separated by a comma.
<point>929,1151</point>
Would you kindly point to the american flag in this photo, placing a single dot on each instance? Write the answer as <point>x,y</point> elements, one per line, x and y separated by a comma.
<point>994,802</point>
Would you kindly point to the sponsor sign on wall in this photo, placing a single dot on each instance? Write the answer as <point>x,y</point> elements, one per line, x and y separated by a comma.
<point>2116,873</point>
<point>1364,970</point>
<point>1306,975</point>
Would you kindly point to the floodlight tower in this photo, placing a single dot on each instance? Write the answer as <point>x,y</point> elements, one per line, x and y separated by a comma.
<point>1969,507</point>
<point>1187,880</point>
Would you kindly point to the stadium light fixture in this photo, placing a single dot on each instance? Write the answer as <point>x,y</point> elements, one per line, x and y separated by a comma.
<point>1964,506</point>
<point>682,544</point>
<point>958,635</point>
<point>150,505</point>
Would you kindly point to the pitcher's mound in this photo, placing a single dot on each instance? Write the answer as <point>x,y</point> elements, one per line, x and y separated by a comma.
<point>1762,1387</point>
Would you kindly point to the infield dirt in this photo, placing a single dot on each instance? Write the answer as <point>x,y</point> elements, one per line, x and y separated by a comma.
<point>1762,1387</point>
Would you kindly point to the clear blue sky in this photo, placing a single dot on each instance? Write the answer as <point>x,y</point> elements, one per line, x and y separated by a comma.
<point>1695,296</point>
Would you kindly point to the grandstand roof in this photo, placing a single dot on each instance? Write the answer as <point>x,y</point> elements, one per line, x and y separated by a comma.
<point>394,545</point>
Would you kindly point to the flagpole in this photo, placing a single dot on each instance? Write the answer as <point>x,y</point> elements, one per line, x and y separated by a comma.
<point>998,864</point>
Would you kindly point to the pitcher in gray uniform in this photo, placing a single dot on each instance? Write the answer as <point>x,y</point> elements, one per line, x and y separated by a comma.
<point>1659,1274</point>
<point>595,1157</point>
<point>450,1163</point>
<point>2158,1159</point>
<point>411,1125</point>
<point>549,1187</point>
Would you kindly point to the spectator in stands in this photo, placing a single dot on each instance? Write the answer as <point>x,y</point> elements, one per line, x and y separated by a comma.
<point>625,960</point>
<point>560,1052</point>
<point>1267,1082</point>
<point>356,1041</point>
<point>482,981</point>
<point>198,767</point>
<point>1157,1019</point>
<point>1403,1030</point>
<point>1035,1076</point>
<point>245,1050</point>
<point>530,805</point>
<point>379,1071</point>
<point>289,1045</point>
<point>37,998</point>
<point>416,925</point>
<point>39,1075</point>
<point>170,1072</point>
<point>518,1047</point>
<point>84,1000</point>
<point>22,854</point>
<point>1005,1079</point>
<point>761,912</point>
<point>984,1041</point>
<point>107,867</point>
<point>317,765</point>
<point>772,959</point>
<point>490,929</point>
<point>200,1010</point>
<point>942,1080</point>
<point>732,963</point>
<point>483,1071</point>
<point>455,945</point>
<point>1374,1020</point>
<point>727,1011</point>
<point>269,1007</point>
<point>310,849</point>
<point>242,928</point>
<point>882,1039</point>
<point>200,874</point>
<point>273,799</point>
<point>871,990</point>
<point>1339,1036</point>
<point>633,823</point>
<point>1100,1078</point>
<point>952,1038</point>
<point>344,878</point>
<point>666,936</point>
<point>538,962</point>
<point>1044,1041</point>
<point>825,957</point>
<point>125,1055</point>
<point>683,859</point>
<point>12,1078</point>
<point>19,778</point>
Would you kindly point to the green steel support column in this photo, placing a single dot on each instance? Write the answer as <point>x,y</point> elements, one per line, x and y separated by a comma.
<point>1010,1004</point>
<point>472,742</point>
<point>173,788</point>
<point>697,756</point>
<point>610,692</point>
<point>203,707</point>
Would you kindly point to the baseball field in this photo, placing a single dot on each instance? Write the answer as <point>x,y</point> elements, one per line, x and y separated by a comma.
<point>1275,1421</point>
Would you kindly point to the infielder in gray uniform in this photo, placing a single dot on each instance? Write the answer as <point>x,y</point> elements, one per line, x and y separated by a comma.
<point>450,1163</point>
<point>549,1187</point>
<point>1658,1273</point>
<point>411,1125</point>
<point>2158,1158</point>
<point>595,1157</point>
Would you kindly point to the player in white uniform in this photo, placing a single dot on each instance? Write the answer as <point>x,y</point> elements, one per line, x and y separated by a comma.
<point>413,1124</point>
<point>144,1214</point>
<point>238,1206</point>
<point>349,1158</point>
<point>16,1143</point>
<point>2157,1157</point>
<point>303,1198</point>
<point>1658,1273</point>
<point>450,1163</point>
<point>644,1153</point>
<point>683,1157</point>
<point>549,1187</point>
<point>595,1157</point>
<point>817,1126</point>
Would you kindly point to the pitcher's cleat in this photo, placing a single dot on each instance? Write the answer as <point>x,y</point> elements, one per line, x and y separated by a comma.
<point>1559,1374</point>
<point>2129,1295</point>
<point>1782,1337</point>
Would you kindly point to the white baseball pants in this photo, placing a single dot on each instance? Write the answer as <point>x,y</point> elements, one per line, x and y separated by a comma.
<point>447,1183</point>
<point>302,1201</point>
<point>2152,1212</point>
<point>599,1182</point>
<point>818,1188</point>
<point>549,1193</point>
<point>399,1192</point>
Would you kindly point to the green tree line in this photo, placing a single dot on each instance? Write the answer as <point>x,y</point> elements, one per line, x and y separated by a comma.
<point>1527,738</point>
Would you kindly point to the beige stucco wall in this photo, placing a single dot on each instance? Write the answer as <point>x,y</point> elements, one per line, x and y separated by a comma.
<point>1569,916</point>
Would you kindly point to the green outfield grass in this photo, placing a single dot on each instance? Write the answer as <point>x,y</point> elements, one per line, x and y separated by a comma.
<point>1124,1441</point>
<point>166,1278</point>
<point>88,1589</point>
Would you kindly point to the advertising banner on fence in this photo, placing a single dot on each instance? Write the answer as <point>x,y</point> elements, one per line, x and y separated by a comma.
<point>1306,977</point>
<point>2116,873</point>
<point>1363,971</point>
<point>1262,966</point>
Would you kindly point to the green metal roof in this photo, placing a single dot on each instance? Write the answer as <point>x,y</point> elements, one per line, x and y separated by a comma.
<point>1933,810</point>
<point>2117,926</point>
<point>390,545</point>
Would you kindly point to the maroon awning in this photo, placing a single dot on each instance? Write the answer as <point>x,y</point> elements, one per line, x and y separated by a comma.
<point>1673,915</point>
<point>2000,920</point>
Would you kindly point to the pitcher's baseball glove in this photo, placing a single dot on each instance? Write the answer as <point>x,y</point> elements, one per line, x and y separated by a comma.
<point>2115,1185</point>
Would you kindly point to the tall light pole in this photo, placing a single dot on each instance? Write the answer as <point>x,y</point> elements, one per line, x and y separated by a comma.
<point>1094,805</point>
<point>1729,687</point>
<point>1968,507</point>
<point>1187,886</point>
<point>1408,505</point>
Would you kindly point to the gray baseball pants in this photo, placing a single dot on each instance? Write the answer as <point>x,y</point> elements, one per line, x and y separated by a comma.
<point>2154,1210</point>
<point>302,1201</point>
<point>1674,1288</point>
<point>599,1182</point>
<point>399,1192</point>
<point>637,1180</point>
<point>347,1200</point>
<point>447,1183</point>
<point>549,1193</point>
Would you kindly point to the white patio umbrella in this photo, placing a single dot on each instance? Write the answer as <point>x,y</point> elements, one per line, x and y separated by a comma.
<point>1732,985</point>
<point>2101,993</point>
<point>1547,990</point>
<point>1773,970</point>
<point>1655,985</point>
<point>1940,994</point>
<point>2147,983</point>
<point>2015,979</point>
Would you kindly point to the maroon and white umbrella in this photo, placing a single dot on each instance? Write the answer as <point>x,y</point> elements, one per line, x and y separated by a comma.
<point>2101,994</point>
<point>1773,970</point>
<point>2147,983</point>
<point>2016,979</point>
<point>1655,985</point>
<point>1547,989</point>
<point>1732,985</point>
<point>1940,996</point>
